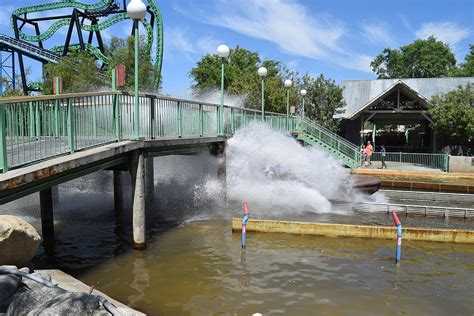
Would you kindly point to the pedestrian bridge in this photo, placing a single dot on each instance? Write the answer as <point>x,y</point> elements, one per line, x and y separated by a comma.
<point>33,129</point>
<point>48,140</point>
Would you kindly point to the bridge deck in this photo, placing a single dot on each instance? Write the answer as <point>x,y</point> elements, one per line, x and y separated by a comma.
<point>29,179</point>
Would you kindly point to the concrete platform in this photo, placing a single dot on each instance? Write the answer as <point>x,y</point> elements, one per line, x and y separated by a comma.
<point>72,284</point>
<point>428,181</point>
<point>359,231</point>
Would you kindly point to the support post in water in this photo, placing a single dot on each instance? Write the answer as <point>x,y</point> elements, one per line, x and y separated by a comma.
<point>137,171</point>
<point>398,252</point>
<point>244,224</point>
<point>47,220</point>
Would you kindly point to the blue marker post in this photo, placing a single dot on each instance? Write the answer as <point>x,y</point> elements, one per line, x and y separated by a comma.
<point>244,224</point>
<point>398,252</point>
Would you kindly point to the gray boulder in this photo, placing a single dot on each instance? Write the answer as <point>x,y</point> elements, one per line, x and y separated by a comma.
<point>9,284</point>
<point>18,241</point>
<point>54,301</point>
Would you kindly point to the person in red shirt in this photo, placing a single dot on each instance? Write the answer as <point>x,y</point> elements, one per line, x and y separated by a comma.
<point>368,151</point>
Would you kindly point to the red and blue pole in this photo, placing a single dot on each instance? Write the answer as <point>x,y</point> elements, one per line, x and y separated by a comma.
<point>398,251</point>
<point>244,224</point>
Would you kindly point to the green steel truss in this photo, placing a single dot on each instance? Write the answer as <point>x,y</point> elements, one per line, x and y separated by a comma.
<point>154,33</point>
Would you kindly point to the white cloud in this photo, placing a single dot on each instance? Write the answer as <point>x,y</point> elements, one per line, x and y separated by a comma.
<point>448,32</point>
<point>289,25</point>
<point>5,14</point>
<point>378,34</point>
<point>177,39</point>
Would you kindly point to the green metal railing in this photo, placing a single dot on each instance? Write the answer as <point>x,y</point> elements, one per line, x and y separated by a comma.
<point>40,127</point>
<point>433,161</point>
<point>315,134</point>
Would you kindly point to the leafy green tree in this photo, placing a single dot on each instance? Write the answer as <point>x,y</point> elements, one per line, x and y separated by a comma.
<point>79,73</point>
<point>421,59</point>
<point>466,69</point>
<point>241,79</point>
<point>453,116</point>
<point>122,52</point>
<point>322,101</point>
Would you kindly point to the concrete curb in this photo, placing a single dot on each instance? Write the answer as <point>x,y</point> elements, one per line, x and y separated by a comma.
<point>358,231</point>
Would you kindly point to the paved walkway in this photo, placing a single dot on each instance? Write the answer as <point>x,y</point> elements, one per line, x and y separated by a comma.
<point>401,166</point>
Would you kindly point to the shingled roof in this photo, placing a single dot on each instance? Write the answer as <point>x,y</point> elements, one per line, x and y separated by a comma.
<point>359,94</point>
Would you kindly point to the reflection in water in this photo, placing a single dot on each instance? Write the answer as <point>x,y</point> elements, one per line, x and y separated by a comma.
<point>141,279</point>
<point>244,274</point>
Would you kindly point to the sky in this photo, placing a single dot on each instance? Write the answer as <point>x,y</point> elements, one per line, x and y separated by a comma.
<point>337,38</point>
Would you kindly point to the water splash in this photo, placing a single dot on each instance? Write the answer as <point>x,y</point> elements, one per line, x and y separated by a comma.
<point>273,172</point>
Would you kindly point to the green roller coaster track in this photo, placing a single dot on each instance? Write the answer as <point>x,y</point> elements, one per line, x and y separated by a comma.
<point>151,38</point>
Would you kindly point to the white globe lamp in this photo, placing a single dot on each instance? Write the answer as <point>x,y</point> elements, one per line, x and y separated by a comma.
<point>223,51</point>
<point>262,71</point>
<point>136,10</point>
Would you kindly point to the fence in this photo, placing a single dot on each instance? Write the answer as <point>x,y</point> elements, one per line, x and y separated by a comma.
<point>433,161</point>
<point>40,127</point>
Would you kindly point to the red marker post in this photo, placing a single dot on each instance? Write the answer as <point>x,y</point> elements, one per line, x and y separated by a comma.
<point>244,224</point>
<point>398,251</point>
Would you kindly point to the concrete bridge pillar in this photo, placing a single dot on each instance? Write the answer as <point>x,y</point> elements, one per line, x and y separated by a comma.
<point>118,191</point>
<point>222,168</point>
<point>137,172</point>
<point>149,182</point>
<point>47,219</point>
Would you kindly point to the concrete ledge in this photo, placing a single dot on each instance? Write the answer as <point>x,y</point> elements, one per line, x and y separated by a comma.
<point>461,164</point>
<point>359,231</point>
<point>428,186</point>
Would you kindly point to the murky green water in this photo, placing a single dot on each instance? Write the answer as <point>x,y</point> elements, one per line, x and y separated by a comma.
<point>198,268</point>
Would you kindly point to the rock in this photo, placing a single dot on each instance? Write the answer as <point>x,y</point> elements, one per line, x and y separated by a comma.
<point>18,241</point>
<point>54,301</point>
<point>35,285</point>
<point>9,284</point>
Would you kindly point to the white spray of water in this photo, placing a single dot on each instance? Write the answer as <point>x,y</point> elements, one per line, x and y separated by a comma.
<point>274,173</point>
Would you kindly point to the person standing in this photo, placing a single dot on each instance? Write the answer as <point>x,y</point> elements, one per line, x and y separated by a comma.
<point>368,151</point>
<point>382,159</point>
<point>362,155</point>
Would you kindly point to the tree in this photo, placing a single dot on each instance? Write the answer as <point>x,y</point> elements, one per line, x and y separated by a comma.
<point>466,69</point>
<point>79,73</point>
<point>122,52</point>
<point>241,79</point>
<point>323,100</point>
<point>453,116</point>
<point>421,59</point>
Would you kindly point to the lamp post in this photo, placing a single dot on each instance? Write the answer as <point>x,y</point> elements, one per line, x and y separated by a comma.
<point>136,11</point>
<point>288,84</point>
<point>262,72</point>
<point>303,93</point>
<point>223,52</point>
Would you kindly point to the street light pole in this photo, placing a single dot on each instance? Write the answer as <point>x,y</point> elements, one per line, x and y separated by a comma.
<point>136,10</point>
<point>303,93</point>
<point>223,52</point>
<point>288,84</point>
<point>262,72</point>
